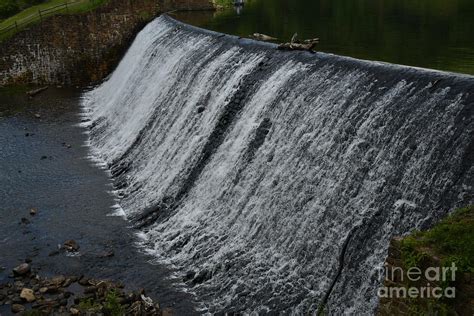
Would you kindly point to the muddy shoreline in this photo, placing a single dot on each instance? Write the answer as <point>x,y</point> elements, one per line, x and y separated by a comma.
<point>44,167</point>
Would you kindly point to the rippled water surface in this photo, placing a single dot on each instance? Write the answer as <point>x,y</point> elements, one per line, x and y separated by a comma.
<point>44,165</point>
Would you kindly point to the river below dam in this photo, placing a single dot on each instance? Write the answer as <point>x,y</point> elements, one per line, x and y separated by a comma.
<point>225,175</point>
<point>45,166</point>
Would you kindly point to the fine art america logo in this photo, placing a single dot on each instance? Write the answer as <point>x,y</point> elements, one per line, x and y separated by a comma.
<point>433,279</point>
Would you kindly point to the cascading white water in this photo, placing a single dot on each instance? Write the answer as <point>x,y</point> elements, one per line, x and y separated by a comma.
<point>260,174</point>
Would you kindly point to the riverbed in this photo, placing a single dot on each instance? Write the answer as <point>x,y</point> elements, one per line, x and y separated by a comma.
<point>44,166</point>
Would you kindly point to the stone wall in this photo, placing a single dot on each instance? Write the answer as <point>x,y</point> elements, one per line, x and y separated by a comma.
<point>80,49</point>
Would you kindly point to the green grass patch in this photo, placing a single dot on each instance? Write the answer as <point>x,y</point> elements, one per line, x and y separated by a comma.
<point>112,304</point>
<point>89,306</point>
<point>452,240</point>
<point>223,3</point>
<point>31,15</point>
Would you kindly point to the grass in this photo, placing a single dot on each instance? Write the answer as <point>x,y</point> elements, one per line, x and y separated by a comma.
<point>223,3</point>
<point>112,304</point>
<point>452,240</point>
<point>31,16</point>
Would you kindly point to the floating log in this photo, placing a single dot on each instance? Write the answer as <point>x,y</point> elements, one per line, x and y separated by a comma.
<point>33,93</point>
<point>263,37</point>
<point>295,44</point>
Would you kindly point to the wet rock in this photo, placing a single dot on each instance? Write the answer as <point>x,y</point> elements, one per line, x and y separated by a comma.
<point>17,308</point>
<point>22,269</point>
<point>84,281</point>
<point>90,290</point>
<point>57,281</point>
<point>33,211</point>
<point>107,254</point>
<point>28,295</point>
<point>202,276</point>
<point>71,245</point>
<point>189,275</point>
<point>25,221</point>
<point>54,253</point>
<point>200,109</point>
<point>37,116</point>
<point>44,157</point>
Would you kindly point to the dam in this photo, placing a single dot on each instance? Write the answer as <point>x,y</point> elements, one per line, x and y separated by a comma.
<point>274,181</point>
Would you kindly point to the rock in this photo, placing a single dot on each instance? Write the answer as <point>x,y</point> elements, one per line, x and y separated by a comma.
<point>28,295</point>
<point>83,281</point>
<point>189,275</point>
<point>33,212</point>
<point>44,157</point>
<point>17,308</point>
<point>147,300</point>
<point>201,109</point>
<point>22,269</point>
<point>25,221</point>
<point>57,280</point>
<point>74,311</point>
<point>43,290</point>
<point>71,245</point>
<point>68,282</point>
<point>202,276</point>
<point>167,312</point>
<point>107,254</point>
<point>53,253</point>
<point>90,289</point>
<point>37,116</point>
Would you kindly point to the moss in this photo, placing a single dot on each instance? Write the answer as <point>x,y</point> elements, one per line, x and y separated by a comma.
<point>452,240</point>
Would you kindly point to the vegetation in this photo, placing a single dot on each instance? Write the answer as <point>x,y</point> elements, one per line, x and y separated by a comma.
<point>223,3</point>
<point>452,240</point>
<point>112,304</point>
<point>11,7</point>
<point>31,15</point>
<point>89,306</point>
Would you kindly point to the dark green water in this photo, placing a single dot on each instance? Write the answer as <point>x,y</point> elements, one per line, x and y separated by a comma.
<point>436,34</point>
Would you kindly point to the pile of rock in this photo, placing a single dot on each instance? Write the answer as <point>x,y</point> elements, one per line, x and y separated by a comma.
<point>72,295</point>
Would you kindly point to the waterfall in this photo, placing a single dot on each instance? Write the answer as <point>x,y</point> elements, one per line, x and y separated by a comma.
<point>271,180</point>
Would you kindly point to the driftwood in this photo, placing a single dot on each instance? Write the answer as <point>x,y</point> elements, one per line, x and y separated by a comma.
<point>295,44</point>
<point>32,93</point>
<point>262,37</point>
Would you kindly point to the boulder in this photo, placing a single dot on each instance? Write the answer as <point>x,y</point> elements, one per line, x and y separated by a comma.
<point>28,295</point>
<point>17,308</point>
<point>22,269</point>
